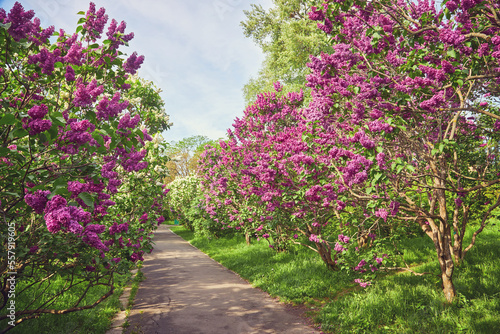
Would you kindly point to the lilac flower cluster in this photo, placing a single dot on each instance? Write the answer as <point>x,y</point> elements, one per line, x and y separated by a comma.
<point>87,93</point>
<point>116,34</point>
<point>133,63</point>
<point>362,283</point>
<point>60,216</point>
<point>95,22</point>
<point>35,123</point>
<point>37,200</point>
<point>110,108</point>
<point>22,26</point>
<point>131,161</point>
<point>78,135</point>
<point>127,122</point>
<point>46,60</point>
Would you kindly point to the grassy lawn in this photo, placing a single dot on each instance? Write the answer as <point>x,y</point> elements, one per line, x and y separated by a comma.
<point>93,321</point>
<point>395,303</point>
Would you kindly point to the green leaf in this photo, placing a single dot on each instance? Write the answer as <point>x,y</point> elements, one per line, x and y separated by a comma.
<point>399,169</point>
<point>452,53</point>
<point>80,13</point>
<point>4,151</point>
<point>8,119</point>
<point>59,191</point>
<point>20,132</point>
<point>43,137</point>
<point>6,26</point>
<point>87,199</point>
<point>376,178</point>
<point>82,20</point>
<point>60,182</point>
<point>78,29</point>
<point>57,119</point>
<point>53,132</point>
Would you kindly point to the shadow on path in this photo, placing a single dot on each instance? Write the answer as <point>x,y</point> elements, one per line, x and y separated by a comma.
<point>186,292</point>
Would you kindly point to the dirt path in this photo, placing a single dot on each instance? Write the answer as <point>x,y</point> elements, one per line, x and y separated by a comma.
<point>186,292</point>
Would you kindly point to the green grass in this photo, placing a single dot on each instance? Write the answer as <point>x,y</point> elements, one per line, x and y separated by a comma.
<point>395,303</point>
<point>405,303</point>
<point>93,321</point>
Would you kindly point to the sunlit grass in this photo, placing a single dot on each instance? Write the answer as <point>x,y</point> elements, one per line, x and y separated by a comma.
<point>93,321</point>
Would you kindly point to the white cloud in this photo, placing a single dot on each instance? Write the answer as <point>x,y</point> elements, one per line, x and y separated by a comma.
<point>195,51</point>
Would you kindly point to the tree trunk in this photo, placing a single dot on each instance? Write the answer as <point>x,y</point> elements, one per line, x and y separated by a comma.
<point>325,251</point>
<point>247,238</point>
<point>443,240</point>
<point>448,287</point>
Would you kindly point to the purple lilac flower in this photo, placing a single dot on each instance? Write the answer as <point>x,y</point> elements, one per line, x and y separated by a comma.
<point>339,248</point>
<point>38,112</point>
<point>360,265</point>
<point>343,238</point>
<point>110,108</point>
<point>382,213</point>
<point>37,200</point>
<point>361,283</point>
<point>70,73</point>
<point>315,238</point>
<point>133,63</point>
<point>95,22</point>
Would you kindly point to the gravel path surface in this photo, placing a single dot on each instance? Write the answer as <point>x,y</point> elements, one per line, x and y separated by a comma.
<point>186,292</point>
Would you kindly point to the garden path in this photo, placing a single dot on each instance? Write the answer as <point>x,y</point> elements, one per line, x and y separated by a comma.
<point>186,292</point>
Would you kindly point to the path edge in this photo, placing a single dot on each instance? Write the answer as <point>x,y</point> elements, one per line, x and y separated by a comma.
<point>121,317</point>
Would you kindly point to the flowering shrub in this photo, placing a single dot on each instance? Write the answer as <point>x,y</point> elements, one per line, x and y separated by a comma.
<point>408,92</point>
<point>186,202</point>
<point>267,178</point>
<point>183,194</point>
<point>402,127</point>
<point>76,159</point>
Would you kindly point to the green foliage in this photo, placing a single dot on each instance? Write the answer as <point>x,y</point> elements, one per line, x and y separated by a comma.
<point>144,96</point>
<point>287,37</point>
<point>186,202</point>
<point>184,155</point>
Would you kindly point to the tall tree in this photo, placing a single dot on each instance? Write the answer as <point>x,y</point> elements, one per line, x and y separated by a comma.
<point>287,37</point>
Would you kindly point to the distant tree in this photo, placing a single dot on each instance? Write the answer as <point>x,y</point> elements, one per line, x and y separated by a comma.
<point>287,37</point>
<point>184,156</point>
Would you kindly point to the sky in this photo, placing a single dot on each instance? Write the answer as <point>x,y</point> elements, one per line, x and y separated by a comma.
<point>195,51</point>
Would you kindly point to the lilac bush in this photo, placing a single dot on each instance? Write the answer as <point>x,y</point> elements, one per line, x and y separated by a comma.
<point>402,129</point>
<point>76,158</point>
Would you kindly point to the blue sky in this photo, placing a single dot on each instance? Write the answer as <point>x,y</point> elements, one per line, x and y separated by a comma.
<point>195,52</point>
